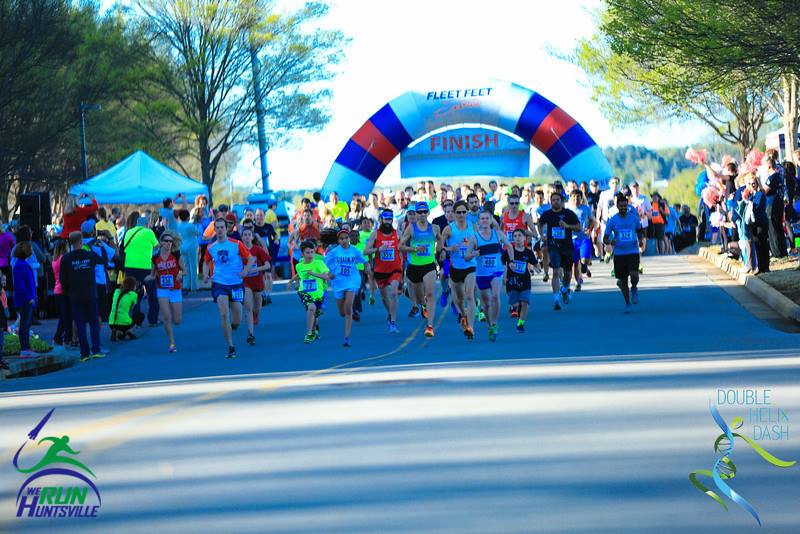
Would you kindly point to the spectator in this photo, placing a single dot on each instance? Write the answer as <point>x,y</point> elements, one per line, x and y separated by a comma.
<point>24,295</point>
<point>137,248</point>
<point>7,243</point>
<point>106,253</point>
<point>78,282</point>
<point>103,224</point>
<point>123,317</point>
<point>775,189</point>
<point>190,246</point>
<point>63,335</point>
<point>761,224</point>
<point>271,218</point>
<point>742,216</point>
<point>74,215</point>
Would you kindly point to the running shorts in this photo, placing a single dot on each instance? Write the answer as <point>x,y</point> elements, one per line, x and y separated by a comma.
<point>385,279</point>
<point>339,293</point>
<point>516,297</point>
<point>459,276</point>
<point>558,259</point>
<point>255,283</point>
<point>485,282</point>
<point>583,249</point>
<point>625,265</point>
<point>416,273</point>
<point>658,230</point>
<point>173,295</point>
<point>307,299</point>
<point>234,293</point>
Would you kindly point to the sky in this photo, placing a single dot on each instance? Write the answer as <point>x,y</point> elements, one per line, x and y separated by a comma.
<point>399,46</point>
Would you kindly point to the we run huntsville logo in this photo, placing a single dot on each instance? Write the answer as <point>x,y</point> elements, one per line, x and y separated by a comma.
<point>760,414</point>
<point>56,500</point>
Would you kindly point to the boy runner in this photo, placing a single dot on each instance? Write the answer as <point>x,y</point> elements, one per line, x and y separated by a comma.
<point>311,274</point>
<point>518,277</point>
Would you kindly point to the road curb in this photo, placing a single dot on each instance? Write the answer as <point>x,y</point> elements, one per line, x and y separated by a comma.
<point>56,359</point>
<point>774,298</point>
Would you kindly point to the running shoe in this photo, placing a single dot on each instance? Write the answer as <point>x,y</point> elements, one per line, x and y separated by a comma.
<point>481,317</point>
<point>172,348</point>
<point>588,272</point>
<point>578,287</point>
<point>493,333</point>
<point>521,328</point>
<point>372,300</point>
<point>231,352</point>
<point>607,257</point>
<point>394,329</point>
<point>556,306</point>
<point>627,309</point>
<point>613,274</point>
<point>443,299</point>
<point>86,358</point>
<point>424,312</point>
<point>346,342</point>
<point>268,300</point>
<point>251,340</point>
<point>316,331</point>
<point>546,277</point>
<point>469,333</point>
<point>514,313</point>
<point>429,331</point>
<point>463,321</point>
<point>564,295</point>
<point>634,295</point>
<point>356,316</point>
<point>308,339</point>
<point>98,355</point>
<point>641,269</point>
<point>414,311</point>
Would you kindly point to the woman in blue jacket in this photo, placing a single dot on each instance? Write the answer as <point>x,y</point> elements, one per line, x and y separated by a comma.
<point>24,295</point>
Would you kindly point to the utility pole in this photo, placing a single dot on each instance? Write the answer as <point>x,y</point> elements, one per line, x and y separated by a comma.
<point>84,108</point>
<point>260,113</point>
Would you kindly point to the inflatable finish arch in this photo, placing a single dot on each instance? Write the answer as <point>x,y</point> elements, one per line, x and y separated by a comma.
<point>504,105</point>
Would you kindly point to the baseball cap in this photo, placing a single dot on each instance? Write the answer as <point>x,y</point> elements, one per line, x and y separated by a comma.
<point>88,226</point>
<point>421,206</point>
<point>387,214</point>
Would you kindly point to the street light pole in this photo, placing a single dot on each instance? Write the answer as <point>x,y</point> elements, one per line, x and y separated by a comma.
<point>84,108</point>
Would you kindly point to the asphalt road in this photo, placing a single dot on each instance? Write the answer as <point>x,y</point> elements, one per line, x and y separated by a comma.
<point>589,422</point>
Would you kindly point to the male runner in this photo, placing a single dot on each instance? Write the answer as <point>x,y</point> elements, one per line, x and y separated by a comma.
<point>385,244</point>
<point>625,235</point>
<point>557,225</point>
<point>419,240</point>
<point>581,241</point>
<point>231,262</point>
<point>458,238</point>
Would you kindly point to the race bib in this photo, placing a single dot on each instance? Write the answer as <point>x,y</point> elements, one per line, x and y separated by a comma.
<point>387,254</point>
<point>462,252</point>
<point>427,251</point>
<point>687,229</point>
<point>519,266</point>
<point>237,295</point>
<point>490,261</point>
<point>166,281</point>
<point>309,286</point>
<point>345,270</point>
<point>625,235</point>
<point>558,233</point>
<point>655,214</point>
<point>510,235</point>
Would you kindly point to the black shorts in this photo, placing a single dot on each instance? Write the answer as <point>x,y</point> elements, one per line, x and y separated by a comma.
<point>459,276</point>
<point>658,231</point>
<point>416,273</point>
<point>560,259</point>
<point>625,265</point>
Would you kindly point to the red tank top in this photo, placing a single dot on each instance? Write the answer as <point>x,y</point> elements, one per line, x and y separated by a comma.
<point>509,224</point>
<point>390,259</point>
<point>309,231</point>
<point>167,272</point>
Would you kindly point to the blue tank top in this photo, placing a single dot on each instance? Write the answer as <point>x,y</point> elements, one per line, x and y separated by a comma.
<point>490,250</point>
<point>428,240</point>
<point>461,238</point>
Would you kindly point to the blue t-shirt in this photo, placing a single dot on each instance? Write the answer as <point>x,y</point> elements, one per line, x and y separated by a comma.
<point>622,232</point>
<point>583,212</point>
<point>343,263</point>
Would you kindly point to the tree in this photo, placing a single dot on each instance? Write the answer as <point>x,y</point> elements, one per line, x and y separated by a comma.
<point>721,43</point>
<point>629,91</point>
<point>204,49</point>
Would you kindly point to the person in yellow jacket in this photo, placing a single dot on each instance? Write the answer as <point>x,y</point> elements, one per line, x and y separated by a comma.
<point>120,320</point>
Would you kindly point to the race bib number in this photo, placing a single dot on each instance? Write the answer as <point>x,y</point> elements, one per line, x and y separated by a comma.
<point>387,254</point>
<point>655,214</point>
<point>237,295</point>
<point>687,229</point>
<point>309,286</point>
<point>625,235</point>
<point>345,270</point>
<point>490,261</point>
<point>558,233</point>
<point>462,252</point>
<point>166,281</point>
<point>519,266</point>
<point>426,251</point>
<point>510,235</point>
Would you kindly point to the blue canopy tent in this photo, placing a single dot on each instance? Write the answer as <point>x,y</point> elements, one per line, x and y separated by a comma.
<point>139,179</point>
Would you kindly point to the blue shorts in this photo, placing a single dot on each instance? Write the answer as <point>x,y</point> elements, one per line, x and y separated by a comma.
<point>583,248</point>
<point>339,293</point>
<point>234,293</point>
<point>485,282</point>
<point>516,296</point>
<point>559,260</point>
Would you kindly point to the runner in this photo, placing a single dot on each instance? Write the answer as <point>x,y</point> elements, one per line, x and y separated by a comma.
<point>582,243</point>
<point>254,282</point>
<point>311,274</point>
<point>474,206</point>
<point>458,238</point>
<point>365,230</point>
<point>443,258</point>
<point>514,218</point>
<point>606,208</point>
<point>230,261</point>
<point>557,225</point>
<point>346,279</point>
<point>411,218</point>
<point>625,236</point>
<point>518,277</point>
<point>419,240</point>
<point>168,270</point>
<point>490,269</point>
<point>384,243</point>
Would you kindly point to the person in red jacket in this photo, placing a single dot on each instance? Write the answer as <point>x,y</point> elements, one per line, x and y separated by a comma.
<point>75,215</point>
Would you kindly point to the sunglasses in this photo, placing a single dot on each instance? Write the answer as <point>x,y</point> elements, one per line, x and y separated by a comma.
<point>422,212</point>
<point>461,212</point>
<point>513,203</point>
<point>166,241</point>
